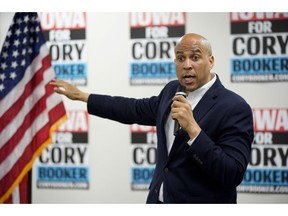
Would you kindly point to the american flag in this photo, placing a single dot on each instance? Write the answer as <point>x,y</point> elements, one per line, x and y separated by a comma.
<point>29,109</point>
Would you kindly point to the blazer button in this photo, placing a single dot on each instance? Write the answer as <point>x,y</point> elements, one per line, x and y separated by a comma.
<point>166,170</point>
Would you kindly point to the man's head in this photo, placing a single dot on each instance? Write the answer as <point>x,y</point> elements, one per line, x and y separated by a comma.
<point>193,61</point>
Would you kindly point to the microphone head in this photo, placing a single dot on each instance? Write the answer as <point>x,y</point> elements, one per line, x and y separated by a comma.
<point>181,90</point>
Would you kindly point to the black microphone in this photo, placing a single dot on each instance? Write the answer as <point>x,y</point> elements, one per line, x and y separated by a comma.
<point>181,90</point>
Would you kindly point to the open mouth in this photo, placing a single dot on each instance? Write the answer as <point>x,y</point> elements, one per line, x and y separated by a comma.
<point>188,78</point>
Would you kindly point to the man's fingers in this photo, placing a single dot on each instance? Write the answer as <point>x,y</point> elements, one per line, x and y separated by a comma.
<point>59,83</point>
<point>179,98</point>
<point>59,90</point>
<point>59,86</point>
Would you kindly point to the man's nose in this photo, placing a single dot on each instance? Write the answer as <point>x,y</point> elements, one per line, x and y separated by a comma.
<point>187,64</point>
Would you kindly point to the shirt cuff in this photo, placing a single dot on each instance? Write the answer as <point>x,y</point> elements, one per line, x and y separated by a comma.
<point>190,142</point>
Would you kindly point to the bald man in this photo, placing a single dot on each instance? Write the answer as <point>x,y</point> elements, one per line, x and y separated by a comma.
<point>207,159</point>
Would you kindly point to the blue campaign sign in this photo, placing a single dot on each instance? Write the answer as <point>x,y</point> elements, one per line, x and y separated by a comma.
<point>62,174</point>
<point>141,174</point>
<point>75,70</point>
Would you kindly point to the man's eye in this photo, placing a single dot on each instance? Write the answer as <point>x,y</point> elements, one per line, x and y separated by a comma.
<point>195,57</point>
<point>180,58</point>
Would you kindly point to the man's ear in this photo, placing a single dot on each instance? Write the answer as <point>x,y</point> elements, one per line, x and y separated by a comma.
<point>211,60</point>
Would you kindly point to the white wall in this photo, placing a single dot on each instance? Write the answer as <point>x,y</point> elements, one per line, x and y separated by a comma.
<point>108,73</point>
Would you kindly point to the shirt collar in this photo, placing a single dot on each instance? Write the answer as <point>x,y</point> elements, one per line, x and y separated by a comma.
<point>203,89</point>
<point>198,93</point>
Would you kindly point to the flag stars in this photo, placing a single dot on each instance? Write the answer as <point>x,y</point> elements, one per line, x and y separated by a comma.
<point>4,55</point>
<point>26,18</point>
<point>34,19</point>
<point>24,40</point>
<point>25,29</point>
<point>2,76</point>
<point>37,29</point>
<point>6,44</point>
<point>15,53</point>
<point>2,87</point>
<point>3,66</point>
<point>19,21</point>
<point>18,32</point>
<point>13,75</point>
<point>23,63</point>
<point>9,33</point>
<point>24,52</point>
<point>16,43</point>
<point>14,64</point>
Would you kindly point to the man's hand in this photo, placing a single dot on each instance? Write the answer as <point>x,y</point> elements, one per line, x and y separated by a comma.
<point>182,111</point>
<point>70,91</point>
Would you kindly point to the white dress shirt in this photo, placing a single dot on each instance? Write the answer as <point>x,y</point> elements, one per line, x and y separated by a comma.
<point>193,98</point>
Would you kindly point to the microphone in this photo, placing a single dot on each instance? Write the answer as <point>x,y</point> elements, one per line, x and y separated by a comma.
<point>181,90</point>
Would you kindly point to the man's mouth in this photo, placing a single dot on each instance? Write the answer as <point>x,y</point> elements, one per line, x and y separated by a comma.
<point>188,79</point>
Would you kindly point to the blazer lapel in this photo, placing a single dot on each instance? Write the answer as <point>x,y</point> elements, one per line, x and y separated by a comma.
<point>179,139</point>
<point>164,117</point>
<point>207,101</point>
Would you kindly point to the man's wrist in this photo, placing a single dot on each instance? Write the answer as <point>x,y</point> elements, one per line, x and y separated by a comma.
<point>191,140</point>
<point>194,132</point>
<point>83,97</point>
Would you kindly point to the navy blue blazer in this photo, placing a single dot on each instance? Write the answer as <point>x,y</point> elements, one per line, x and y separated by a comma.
<point>211,168</point>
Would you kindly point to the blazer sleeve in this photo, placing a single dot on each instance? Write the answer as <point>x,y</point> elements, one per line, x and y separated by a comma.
<point>226,158</point>
<point>124,110</point>
<point>144,111</point>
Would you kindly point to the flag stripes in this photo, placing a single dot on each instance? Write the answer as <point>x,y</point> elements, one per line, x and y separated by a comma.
<point>29,108</point>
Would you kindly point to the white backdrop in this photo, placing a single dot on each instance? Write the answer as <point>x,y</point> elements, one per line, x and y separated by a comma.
<point>108,72</point>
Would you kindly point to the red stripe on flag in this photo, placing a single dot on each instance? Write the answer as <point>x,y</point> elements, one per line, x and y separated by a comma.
<point>38,108</point>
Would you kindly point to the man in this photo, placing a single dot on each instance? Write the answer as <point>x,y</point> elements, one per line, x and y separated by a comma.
<point>207,160</point>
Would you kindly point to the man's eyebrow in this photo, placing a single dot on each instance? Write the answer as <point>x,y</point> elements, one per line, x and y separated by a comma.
<point>192,50</point>
<point>196,50</point>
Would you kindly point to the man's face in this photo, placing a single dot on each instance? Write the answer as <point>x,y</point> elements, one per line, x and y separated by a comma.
<point>193,63</point>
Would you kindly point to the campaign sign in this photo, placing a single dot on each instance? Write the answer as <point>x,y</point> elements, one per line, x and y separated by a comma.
<point>267,171</point>
<point>259,47</point>
<point>64,163</point>
<point>143,148</point>
<point>65,33</point>
<point>153,37</point>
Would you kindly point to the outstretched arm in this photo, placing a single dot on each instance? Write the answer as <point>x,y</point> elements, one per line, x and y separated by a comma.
<point>70,91</point>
